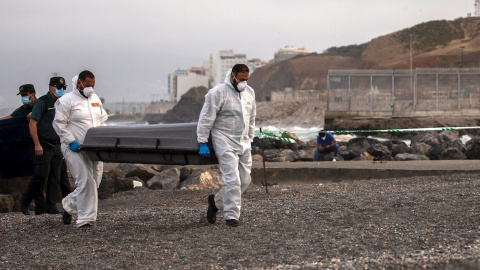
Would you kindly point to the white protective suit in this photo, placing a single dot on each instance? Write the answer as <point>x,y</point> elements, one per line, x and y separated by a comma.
<point>74,115</point>
<point>230,116</point>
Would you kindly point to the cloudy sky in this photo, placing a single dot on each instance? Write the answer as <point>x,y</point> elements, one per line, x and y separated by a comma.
<point>131,46</point>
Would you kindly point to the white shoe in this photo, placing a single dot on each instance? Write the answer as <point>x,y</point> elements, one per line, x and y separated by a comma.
<point>334,159</point>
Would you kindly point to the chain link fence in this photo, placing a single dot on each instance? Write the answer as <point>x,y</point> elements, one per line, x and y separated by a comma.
<point>437,89</point>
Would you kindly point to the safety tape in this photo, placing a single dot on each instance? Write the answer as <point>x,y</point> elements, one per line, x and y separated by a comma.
<point>277,138</point>
<point>371,130</point>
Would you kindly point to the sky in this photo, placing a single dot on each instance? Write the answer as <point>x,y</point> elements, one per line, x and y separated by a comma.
<point>132,46</point>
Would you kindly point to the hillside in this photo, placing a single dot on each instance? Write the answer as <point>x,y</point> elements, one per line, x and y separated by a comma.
<point>434,44</point>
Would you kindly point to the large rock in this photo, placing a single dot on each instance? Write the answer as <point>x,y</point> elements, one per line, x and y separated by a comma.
<point>301,155</point>
<point>430,138</point>
<point>396,147</point>
<point>407,156</point>
<point>168,179</point>
<point>378,150</point>
<point>14,186</point>
<point>356,146</point>
<point>138,170</point>
<point>202,179</point>
<point>110,185</point>
<point>473,148</point>
<point>452,154</point>
<point>420,148</point>
<point>6,203</point>
<point>435,151</point>
<point>448,136</point>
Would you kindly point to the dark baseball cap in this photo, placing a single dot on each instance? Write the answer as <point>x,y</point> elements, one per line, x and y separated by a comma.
<point>57,81</point>
<point>26,88</point>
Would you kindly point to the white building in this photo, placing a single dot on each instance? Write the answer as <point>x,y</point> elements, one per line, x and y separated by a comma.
<point>222,62</point>
<point>288,52</point>
<point>183,80</point>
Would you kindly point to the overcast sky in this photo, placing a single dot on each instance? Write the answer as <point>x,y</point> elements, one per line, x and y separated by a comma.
<point>131,46</point>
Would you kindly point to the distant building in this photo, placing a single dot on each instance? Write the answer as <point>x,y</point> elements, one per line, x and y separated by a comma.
<point>223,61</point>
<point>183,80</point>
<point>289,52</point>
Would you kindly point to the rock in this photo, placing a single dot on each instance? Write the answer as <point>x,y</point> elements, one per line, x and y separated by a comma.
<point>448,136</point>
<point>435,151</point>
<point>202,179</point>
<point>387,158</point>
<point>185,173</point>
<point>396,147</point>
<point>356,146</point>
<point>110,185</point>
<point>258,143</point>
<point>430,138</point>
<point>6,203</point>
<point>473,148</point>
<point>139,170</point>
<point>459,145</point>
<point>420,148</point>
<point>452,154</point>
<point>271,154</point>
<point>168,179</point>
<point>257,158</point>
<point>378,150</point>
<point>360,158</point>
<point>14,186</point>
<point>116,173</point>
<point>407,156</point>
<point>301,155</point>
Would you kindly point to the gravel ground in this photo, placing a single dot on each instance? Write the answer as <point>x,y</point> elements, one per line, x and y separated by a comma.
<point>402,223</point>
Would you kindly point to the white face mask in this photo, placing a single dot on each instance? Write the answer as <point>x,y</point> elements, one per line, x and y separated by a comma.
<point>241,86</point>
<point>88,91</point>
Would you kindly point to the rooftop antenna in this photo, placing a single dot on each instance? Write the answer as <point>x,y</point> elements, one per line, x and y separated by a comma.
<point>477,8</point>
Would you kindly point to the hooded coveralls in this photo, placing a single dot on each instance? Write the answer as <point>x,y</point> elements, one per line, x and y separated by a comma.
<point>74,115</point>
<point>230,116</point>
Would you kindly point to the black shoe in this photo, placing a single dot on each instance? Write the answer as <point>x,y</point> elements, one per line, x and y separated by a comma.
<point>67,218</point>
<point>23,207</point>
<point>232,222</point>
<point>212,209</point>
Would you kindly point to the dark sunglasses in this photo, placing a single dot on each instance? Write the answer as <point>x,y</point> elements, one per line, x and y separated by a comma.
<point>61,86</point>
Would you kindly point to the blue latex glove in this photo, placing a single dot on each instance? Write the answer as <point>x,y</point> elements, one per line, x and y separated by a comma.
<point>75,147</point>
<point>204,150</point>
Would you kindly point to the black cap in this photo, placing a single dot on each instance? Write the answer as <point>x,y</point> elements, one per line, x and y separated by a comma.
<point>54,81</point>
<point>26,88</point>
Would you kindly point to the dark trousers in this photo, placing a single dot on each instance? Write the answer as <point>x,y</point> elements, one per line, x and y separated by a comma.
<point>50,166</point>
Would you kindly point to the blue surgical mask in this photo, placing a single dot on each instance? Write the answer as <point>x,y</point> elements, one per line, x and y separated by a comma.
<point>59,92</point>
<point>26,100</point>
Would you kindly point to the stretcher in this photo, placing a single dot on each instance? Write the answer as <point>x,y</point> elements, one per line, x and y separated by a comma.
<point>168,144</point>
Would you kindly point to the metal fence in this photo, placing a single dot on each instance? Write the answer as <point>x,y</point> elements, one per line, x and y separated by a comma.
<point>437,89</point>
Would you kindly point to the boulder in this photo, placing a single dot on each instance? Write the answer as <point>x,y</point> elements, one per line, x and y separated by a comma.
<point>14,186</point>
<point>396,146</point>
<point>168,179</point>
<point>448,136</point>
<point>430,138</point>
<point>116,173</point>
<point>420,148</point>
<point>473,148</point>
<point>257,158</point>
<point>110,185</point>
<point>139,170</point>
<point>271,154</point>
<point>356,146</point>
<point>301,155</point>
<point>202,179</point>
<point>387,158</point>
<point>378,150</point>
<point>459,145</point>
<point>435,151</point>
<point>185,173</point>
<point>266,143</point>
<point>452,153</point>
<point>407,156</point>
<point>6,203</point>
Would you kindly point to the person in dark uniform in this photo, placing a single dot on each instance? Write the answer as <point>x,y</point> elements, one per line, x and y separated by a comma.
<point>48,160</point>
<point>27,91</point>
